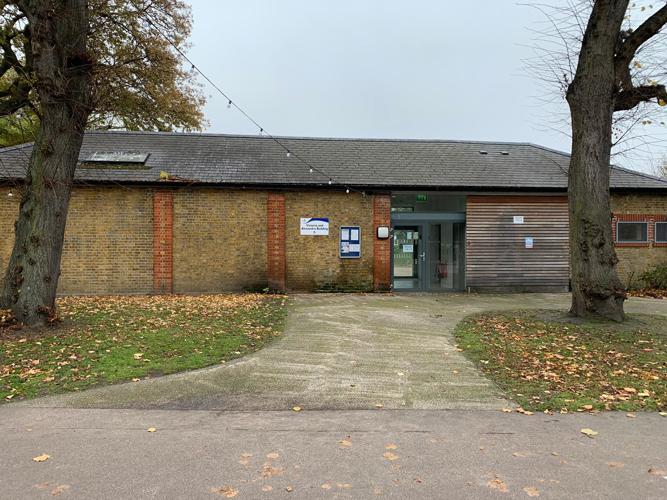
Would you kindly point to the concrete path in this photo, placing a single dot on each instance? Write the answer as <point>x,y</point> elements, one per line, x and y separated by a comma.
<point>342,352</point>
<point>108,454</point>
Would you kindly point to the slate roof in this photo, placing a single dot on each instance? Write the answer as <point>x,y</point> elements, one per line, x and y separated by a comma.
<point>369,163</point>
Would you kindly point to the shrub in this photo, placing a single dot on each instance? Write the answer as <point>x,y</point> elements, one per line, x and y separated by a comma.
<point>656,277</point>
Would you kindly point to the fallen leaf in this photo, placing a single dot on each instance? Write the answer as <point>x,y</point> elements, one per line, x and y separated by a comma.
<point>379,405</point>
<point>273,456</point>
<point>631,415</point>
<point>663,413</point>
<point>497,484</point>
<point>151,429</point>
<point>326,486</point>
<point>521,454</point>
<point>296,408</point>
<point>41,458</point>
<point>391,446</point>
<point>59,489</point>
<point>268,471</point>
<point>267,487</point>
<point>615,465</point>
<point>136,379</point>
<point>532,491</point>
<point>289,489</point>
<point>589,432</point>
<point>587,407</point>
<point>507,410</point>
<point>657,472</point>
<point>345,443</point>
<point>225,491</point>
<point>390,456</point>
<point>138,355</point>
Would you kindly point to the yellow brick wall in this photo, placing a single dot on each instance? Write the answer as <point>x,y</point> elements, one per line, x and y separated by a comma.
<point>108,240</point>
<point>219,240</point>
<point>313,262</point>
<point>635,260</point>
<point>9,208</point>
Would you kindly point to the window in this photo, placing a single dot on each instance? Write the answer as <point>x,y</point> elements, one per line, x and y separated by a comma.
<point>632,232</point>
<point>661,232</point>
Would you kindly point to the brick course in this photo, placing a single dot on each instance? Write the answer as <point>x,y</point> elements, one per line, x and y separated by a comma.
<point>276,258</point>
<point>163,241</point>
<point>313,262</point>
<point>381,248</point>
<point>219,240</point>
<point>108,244</point>
<point>635,258</point>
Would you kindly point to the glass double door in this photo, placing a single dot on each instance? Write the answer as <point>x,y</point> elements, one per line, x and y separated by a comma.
<point>429,256</point>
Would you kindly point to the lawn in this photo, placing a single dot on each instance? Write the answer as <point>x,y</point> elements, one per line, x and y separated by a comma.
<point>544,360</point>
<point>104,340</point>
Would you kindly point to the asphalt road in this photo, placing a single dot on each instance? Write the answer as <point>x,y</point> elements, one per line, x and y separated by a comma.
<point>96,453</point>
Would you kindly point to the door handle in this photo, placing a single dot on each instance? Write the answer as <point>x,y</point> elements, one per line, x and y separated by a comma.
<point>422,256</point>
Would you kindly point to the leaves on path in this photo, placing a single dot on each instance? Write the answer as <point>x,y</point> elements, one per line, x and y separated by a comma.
<point>273,456</point>
<point>345,442</point>
<point>151,429</point>
<point>589,432</point>
<point>616,465</point>
<point>41,458</point>
<point>225,491</point>
<point>390,456</point>
<point>296,408</point>
<point>531,491</point>
<point>497,484</point>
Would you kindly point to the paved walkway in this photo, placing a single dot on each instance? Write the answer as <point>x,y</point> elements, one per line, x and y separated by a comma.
<point>342,352</point>
<point>107,454</point>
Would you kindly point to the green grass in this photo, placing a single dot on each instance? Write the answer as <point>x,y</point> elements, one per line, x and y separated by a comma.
<point>545,360</point>
<point>105,340</point>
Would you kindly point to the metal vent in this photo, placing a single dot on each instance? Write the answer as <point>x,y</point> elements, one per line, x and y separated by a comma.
<point>483,152</point>
<point>505,153</point>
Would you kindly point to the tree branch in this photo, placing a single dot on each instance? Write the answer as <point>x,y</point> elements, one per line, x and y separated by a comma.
<point>628,99</point>
<point>644,32</point>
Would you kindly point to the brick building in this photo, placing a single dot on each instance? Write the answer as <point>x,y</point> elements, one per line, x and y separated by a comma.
<point>189,213</point>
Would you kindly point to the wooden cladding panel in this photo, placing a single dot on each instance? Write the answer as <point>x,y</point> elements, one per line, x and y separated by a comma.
<point>496,252</point>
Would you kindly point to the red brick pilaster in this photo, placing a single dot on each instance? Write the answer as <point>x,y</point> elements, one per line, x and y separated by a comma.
<point>381,248</point>
<point>275,245</point>
<point>163,242</point>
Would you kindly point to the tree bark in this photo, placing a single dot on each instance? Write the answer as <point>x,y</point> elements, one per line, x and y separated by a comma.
<point>596,289</point>
<point>59,29</point>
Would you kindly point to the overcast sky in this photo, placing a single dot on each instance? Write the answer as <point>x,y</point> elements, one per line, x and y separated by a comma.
<point>427,69</point>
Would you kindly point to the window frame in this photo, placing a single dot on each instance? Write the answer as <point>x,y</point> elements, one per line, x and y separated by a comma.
<point>636,242</point>
<point>655,231</point>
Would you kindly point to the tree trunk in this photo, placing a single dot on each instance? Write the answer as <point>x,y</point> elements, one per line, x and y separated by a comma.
<point>59,29</point>
<point>596,289</point>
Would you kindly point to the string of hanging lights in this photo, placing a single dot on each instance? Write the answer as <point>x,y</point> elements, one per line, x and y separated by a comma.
<point>233,104</point>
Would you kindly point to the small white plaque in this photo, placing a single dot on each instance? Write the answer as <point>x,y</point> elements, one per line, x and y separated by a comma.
<point>529,242</point>
<point>518,219</point>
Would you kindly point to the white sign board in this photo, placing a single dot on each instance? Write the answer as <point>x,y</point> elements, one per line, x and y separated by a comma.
<point>314,226</point>
<point>529,242</point>
<point>408,248</point>
<point>518,219</point>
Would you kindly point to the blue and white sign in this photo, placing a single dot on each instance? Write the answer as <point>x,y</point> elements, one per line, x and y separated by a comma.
<point>315,226</point>
<point>350,242</point>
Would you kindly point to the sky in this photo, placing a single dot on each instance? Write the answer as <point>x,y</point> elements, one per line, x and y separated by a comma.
<point>419,69</point>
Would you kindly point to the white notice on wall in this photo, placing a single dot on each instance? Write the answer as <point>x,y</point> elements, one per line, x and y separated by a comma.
<point>529,242</point>
<point>518,219</point>
<point>345,234</point>
<point>408,248</point>
<point>354,235</point>
<point>355,247</point>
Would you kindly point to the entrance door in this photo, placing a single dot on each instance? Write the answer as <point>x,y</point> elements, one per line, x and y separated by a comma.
<point>429,256</point>
<point>408,257</point>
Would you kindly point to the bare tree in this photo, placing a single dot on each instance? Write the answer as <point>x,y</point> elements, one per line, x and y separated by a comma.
<point>57,31</point>
<point>607,58</point>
